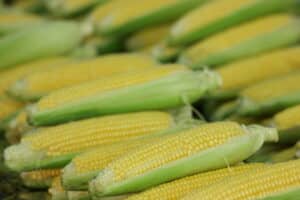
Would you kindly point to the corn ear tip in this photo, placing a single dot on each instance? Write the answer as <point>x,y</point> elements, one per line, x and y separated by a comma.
<point>270,134</point>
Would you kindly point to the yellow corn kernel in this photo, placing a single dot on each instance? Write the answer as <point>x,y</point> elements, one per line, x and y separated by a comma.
<point>148,37</point>
<point>123,13</point>
<point>234,36</point>
<point>91,160</point>
<point>273,88</point>
<point>56,190</point>
<point>288,118</point>
<point>173,148</point>
<point>8,107</point>
<point>102,85</point>
<point>70,74</point>
<point>206,14</point>
<point>9,76</point>
<point>252,70</point>
<point>254,184</point>
<point>103,10</point>
<point>81,135</point>
<point>180,187</point>
<point>40,175</point>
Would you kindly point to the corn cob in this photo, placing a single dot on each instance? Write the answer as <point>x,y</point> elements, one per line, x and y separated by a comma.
<point>250,39</point>
<point>61,38</point>
<point>288,123</point>
<point>35,85</point>
<point>40,178</point>
<point>263,155</point>
<point>270,96</point>
<point>71,8</point>
<point>164,53</point>
<point>56,190</point>
<point>135,89</point>
<point>277,179</point>
<point>8,77</point>
<point>147,37</point>
<point>17,127</point>
<point>200,149</point>
<point>78,195</point>
<point>224,111</point>
<point>179,188</point>
<point>124,19</point>
<point>252,70</point>
<point>223,14</point>
<point>14,21</point>
<point>8,107</point>
<point>284,155</point>
<point>62,143</point>
<point>88,165</point>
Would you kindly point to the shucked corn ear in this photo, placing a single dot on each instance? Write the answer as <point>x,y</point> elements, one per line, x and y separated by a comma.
<point>270,96</point>
<point>11,21</point>
<point>222,14</point>
<point>252,70</point>
<point>148,37</point>
<point>30,44</point>
<point>123,19</point>
<point>54,147</point>
<point>249,39</point>
<point>71,7</point>
<point>35,85</point>
<point>88,165</point>
<point>159,88</point>
<point>179,188</point>
<point>274,181</point>
<point>202,148</point>
<point>40,178</point>
<point>288,123</point>
<point>9,76</point>
<point>57,191</point>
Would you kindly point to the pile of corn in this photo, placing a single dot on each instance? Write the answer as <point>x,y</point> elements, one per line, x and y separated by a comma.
<point>150,100</point>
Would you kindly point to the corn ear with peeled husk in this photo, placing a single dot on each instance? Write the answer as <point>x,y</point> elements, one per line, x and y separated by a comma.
<point>54,147</point>
<point>39,179</point>
<point>270,96</point>
<point>18,48</point>
<point>123,19</point>
<point>36,85</point>
<point>247,40</point>
<point>220,15</point>
<point>102,96</point>
<point>202,148</point>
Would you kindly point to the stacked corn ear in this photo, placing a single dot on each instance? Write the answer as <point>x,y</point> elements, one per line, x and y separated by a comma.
<point>72,8</point>
<point>283,155</point>
<point>12,21</point>
<point>223,14</point>
<point>164,53</point>
<point>102,96</point>
<point>122,19</point>
<point>181,187</point>
<point>288,124</point>
<point>35,6</point>
<point>56,190</point>
<point>88,165</point>
<point>17,127</point>
<point>38,84</point>
<point>145,39</point>
<point>202,148</point>
<point>62,36</point>
<point>54,147</point>
<point>278,181</point>
<point>249,39</point>
<point>270,96</point>
<point>252,70</point>
<point>224,111</point>
<point>9,108</point>
<point>78,195</point>
<point>39,179</point>
<point>298,150</point>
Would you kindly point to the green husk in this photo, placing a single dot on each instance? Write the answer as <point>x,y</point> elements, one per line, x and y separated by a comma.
<point>30,44</point>
<point>224,111</point>
<point>161,15</point>
<point>234,151</point>
<point>165,54</point>
<point>171,91</point>
<point>246,13</point>
<point>285,36</point>
<point>289,136</point>
<point>264,154</point>
<point>78,195</point>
